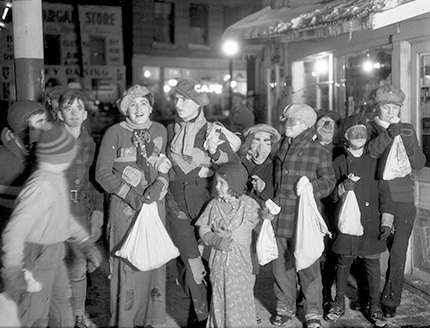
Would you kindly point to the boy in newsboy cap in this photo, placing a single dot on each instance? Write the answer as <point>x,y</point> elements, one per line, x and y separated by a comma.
<point>300,160</point>
<point>34,237</point>
<point>383,129</point>
<point>193,166</point>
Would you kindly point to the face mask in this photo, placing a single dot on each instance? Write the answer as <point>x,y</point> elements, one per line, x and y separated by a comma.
<point>291,121</point>
<point>356,136</point>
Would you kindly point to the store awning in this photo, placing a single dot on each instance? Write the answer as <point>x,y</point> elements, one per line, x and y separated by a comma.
<point>324,20</point>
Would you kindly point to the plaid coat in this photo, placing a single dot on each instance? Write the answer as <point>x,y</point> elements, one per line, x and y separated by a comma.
<point>303,157</point>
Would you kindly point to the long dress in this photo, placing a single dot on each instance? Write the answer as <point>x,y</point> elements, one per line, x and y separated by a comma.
<point>136,298</point>
<point>231,274</point>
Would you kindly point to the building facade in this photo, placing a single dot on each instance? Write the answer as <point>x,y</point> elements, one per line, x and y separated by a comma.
<point>334,55</point>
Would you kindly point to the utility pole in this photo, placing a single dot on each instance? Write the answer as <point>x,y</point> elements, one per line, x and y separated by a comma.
<point>28,49</point>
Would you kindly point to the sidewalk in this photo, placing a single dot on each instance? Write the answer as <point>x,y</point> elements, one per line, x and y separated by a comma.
<point>413,312</point>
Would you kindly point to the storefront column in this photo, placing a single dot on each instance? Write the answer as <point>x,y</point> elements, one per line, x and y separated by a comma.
<point>28,49</point>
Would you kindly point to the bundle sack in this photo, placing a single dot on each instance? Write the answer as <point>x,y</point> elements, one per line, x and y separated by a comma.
<point>148,245</point>
<point>397,164</point>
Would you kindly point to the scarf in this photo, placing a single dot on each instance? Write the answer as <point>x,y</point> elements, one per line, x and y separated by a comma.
<point>185,135</point>
<point>381,123</point>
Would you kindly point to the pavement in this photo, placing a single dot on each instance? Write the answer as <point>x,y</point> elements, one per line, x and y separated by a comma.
<point>413,312</point>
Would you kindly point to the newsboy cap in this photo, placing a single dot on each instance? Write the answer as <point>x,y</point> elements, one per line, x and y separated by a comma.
<point>188,88</point>
<point>301,112</point>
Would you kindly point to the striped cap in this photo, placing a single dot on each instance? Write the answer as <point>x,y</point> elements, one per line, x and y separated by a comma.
<point>55,145</point>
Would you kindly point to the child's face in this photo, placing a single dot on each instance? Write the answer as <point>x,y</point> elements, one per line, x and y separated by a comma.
<point>139,110</point>
<point>293,127</point>
<point>73,114</point>
<point>186,108</point>
<point>388,112</point>
<point>261,145</point>
<point>222,187</point>
<point>356,136</point>
<point>326,128</point>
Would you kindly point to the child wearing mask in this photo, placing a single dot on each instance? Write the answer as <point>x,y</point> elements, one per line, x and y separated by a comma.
<point>368,246</point>
<point>227,224</point>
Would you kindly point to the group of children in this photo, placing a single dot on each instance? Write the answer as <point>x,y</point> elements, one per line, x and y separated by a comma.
<point>268,166</point>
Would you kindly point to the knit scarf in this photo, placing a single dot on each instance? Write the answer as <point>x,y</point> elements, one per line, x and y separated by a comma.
<point>185,135</point>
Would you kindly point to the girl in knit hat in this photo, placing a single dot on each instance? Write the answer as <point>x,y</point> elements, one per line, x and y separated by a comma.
<point>366,246</point>
<point>132,168</point>
<point>35,237</point>
<point>226,225</point>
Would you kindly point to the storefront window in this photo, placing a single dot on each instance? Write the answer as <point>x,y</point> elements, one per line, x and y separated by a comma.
<point>358,77</point>
<point>425,104</point>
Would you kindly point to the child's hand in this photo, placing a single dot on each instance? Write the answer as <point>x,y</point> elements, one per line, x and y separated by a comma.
<point>258,183</point>
<point>223,243</point>
<point>385,232</point>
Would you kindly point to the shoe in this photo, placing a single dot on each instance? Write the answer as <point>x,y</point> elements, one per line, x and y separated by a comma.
<point>377,319</point>
<point>389,311</point>
<point>335,312</point>
<point>313,323</point>
<point>84,321</point>
<point>280,320</point>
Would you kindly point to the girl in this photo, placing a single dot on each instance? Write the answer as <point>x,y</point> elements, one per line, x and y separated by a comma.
<point>226,224</point>
<point>367,247</point>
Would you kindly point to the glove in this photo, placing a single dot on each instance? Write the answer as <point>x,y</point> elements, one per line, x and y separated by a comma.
<point>152,193</point>
<point>393,130</point>
<point>217,242</point>
<point>265,214</point>
<point>134,200</point>
<point>349,185</point>
<point>14,282</point>
<point>198,269</point>
<point>385,232</point>
<point>303,181</point>
<point>91,253</point>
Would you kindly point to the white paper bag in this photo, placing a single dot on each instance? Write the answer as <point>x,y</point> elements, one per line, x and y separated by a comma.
<point>397,164</point>
<point>349,221</point>
<point>267,250</point>
<point>311,230</point>
<point>148,245</point>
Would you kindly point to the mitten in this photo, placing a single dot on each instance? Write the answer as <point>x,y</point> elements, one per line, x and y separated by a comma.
<point>408,141</point>
<point>91,253</point>
<point>393,130</point>
<point>385,232</point>
<point>14,282</point>
<point>303,181</point>
<point>152,193</point>
<point>217,242</point>
<point>349,184</point>
<point>134,199</point>
<point>198,269</point>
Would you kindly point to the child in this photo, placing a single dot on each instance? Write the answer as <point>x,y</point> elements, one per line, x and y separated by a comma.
<point>34,237</point>
<point>367,247</point>
<point>226,224</point>
<point>86,203</point>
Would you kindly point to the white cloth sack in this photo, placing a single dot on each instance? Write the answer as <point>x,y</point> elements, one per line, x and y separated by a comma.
<point>310,232</point>
<point>148,245</point>
<point>397,164</point>
<point>212,133</point>
<point>349,221</point>
<point>267,250</point>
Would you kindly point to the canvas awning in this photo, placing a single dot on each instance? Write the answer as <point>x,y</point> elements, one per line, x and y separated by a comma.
<point>324,20</point>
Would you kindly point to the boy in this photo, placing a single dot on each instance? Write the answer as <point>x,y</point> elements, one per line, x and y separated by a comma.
<point>34,238</point>
<point>86,203</point>
<point>299,156</point>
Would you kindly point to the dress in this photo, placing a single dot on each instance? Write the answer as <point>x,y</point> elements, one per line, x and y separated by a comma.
<point>137,298</point>
<point>231,275</point>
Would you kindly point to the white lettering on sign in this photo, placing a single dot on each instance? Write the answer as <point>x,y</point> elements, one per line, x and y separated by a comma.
<point>213,88</point>
<point>97,18</point>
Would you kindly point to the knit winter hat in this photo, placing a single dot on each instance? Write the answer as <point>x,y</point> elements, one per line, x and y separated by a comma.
<point>263,128</point>
<point>188,88</point>
<point>301,112</point>
<point>132,93</point>
<point>235,174</point>
<point>389,94</point>
<point>55,145</point>
<point>19,112</point>
<point>329,113</point>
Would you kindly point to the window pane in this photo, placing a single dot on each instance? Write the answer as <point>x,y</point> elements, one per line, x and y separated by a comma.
<point>199,24</point>
<point>97,50</point>
<point>164,30</point>
<point>425,104</point>
<point>52,52</point>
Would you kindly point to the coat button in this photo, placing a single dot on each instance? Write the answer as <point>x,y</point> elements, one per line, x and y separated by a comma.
<point>77,181</point>
<point>79,161</point>
<point>286,171</point>
<point>366,203</point>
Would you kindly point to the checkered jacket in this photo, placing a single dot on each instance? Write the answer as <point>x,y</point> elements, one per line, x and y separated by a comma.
<point>303,157</point>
